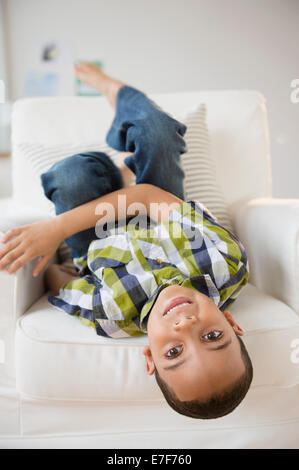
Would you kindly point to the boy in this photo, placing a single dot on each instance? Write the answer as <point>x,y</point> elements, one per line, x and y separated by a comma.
<point>172,280</point>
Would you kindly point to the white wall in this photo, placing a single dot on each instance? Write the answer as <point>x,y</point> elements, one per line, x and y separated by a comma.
<point>174,45</point>
<point>2,47</point>
<point>5,163</point>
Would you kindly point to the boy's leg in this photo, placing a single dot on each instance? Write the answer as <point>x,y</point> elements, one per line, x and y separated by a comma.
<point>76,180</point>
<point>56,276</point>
<point>142,128</point>
<point>154,138</point>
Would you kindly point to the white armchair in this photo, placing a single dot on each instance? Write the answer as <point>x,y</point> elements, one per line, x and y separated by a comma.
<point>63,386</point>
<point>270,227</point>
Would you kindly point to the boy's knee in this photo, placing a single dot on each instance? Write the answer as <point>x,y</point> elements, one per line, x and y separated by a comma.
<point>79,179</point>
<point>66,176</point>
<point>165,137</point>
<point>71,170</point>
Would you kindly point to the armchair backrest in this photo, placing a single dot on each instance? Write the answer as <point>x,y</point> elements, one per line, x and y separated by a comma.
<point>236,119</point>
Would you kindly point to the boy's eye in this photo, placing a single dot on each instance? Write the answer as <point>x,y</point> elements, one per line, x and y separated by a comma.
<point>213,335</point>
<point>174,352</point>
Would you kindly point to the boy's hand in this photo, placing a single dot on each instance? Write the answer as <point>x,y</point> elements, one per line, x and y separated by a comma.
<point>23,244</point>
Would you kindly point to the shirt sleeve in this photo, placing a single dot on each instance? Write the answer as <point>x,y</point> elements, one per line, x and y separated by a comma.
<point>75,298</point>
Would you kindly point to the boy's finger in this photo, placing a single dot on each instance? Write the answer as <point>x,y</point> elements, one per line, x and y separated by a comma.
<point>11,233</point>
<point>43,260</point>
<point>10,257</point>
<point>5,248</point>
<point>21,261</point>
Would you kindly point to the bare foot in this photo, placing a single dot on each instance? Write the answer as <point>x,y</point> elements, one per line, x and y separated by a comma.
<point>93,76</point>
<point>56,276</point>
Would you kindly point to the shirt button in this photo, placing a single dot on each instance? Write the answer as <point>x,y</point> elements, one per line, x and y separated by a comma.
<point>174,281</point>
<point>159,261</point>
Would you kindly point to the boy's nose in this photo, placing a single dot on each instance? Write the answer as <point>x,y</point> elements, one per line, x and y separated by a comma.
<point>184,321</point>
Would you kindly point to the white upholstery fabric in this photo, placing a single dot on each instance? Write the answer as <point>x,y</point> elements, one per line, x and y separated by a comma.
<point>270,435</point>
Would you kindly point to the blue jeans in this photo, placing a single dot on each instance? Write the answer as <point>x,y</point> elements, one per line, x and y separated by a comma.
<point>139,126</point>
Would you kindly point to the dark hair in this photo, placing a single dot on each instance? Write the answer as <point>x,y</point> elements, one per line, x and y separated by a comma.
<point>219,404</point>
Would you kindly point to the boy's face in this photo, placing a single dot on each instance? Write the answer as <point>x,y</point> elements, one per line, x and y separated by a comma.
<point>194,346</point>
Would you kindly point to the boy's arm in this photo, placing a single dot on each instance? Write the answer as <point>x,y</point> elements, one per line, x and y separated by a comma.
<point>144,198</point>
<point>42,239</point>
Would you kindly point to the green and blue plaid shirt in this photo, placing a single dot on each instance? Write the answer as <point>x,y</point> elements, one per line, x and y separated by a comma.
<point>123,273</point>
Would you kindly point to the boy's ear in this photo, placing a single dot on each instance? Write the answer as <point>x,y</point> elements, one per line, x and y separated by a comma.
<point>232,322</point>
<point>149,363</point>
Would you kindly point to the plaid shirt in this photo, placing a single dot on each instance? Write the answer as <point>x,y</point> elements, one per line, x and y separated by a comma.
<point>123,273</point>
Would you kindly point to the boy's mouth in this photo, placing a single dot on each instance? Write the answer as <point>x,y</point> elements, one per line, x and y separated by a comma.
<point>176,303</point>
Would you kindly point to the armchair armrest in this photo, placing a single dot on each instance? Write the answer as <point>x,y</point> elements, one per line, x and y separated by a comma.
<point>20,290</point>
<point>17,291</point>
<point>269,231</point>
